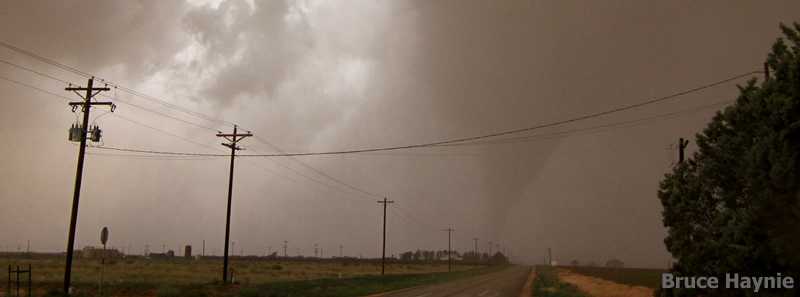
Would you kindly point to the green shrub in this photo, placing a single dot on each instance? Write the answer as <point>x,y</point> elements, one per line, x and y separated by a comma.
<point>546,284</point>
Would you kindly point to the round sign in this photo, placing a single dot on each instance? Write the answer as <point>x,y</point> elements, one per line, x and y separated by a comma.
<point>104,235</point>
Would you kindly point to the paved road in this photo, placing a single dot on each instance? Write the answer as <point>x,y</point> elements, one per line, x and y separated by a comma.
<point>506,283</point>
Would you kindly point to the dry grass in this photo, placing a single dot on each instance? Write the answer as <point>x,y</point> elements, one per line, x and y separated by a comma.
<point>598,287</point>
<point>137,272</point>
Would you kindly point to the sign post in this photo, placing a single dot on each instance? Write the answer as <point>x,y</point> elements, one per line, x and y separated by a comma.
<point>103,239</point>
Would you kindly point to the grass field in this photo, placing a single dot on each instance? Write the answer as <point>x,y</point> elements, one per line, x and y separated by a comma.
<point>650,278</point>
<point>201,277</point>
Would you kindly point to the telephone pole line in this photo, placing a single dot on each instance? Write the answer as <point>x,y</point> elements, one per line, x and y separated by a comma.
<point>448,247</point>
<point>383,255</point>
<point>233,138</point>
<point>285,242</point>
<point>476,251</point>
<point>80,132</point>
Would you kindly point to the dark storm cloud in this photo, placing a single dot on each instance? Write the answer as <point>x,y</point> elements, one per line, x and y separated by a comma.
<point>136,35</point>
<point>249,49</point>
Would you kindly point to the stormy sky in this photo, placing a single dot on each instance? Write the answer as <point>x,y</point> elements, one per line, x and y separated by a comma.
<point>328,76</point>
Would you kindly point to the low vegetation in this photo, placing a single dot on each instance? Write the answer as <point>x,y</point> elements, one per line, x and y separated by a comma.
<point>547,284</point>
<point>202,277</point>
<point>356,286</point>
<point>650,278</point>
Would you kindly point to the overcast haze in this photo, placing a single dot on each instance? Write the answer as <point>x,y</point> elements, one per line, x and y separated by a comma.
<point>320,76</point>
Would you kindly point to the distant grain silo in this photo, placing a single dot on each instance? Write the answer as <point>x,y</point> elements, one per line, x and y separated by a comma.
<point>187,253</point>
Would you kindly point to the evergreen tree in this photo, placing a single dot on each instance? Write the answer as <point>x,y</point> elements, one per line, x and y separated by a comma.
<point>734,207</point>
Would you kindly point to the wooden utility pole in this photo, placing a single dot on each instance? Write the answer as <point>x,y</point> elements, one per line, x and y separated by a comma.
<point>681,146</point>
<point>476,251</point>
<point>448,247</point>
<point>285,242</point>
<point>81,132</point>
<point>383,255</point>
<point>233,138</point>
<point>766,72</point>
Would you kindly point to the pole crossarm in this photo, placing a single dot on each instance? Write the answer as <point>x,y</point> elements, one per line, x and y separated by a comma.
<point>89,91</point>
<point>234,135</point>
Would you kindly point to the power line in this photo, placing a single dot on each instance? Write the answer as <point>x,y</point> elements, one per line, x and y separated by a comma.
<point>461,140</point>
<point>594,129</point>
<point>178,119</point>
<point>36,72</point>
<point>300,183</point>
<point>498,141</point>
<point>412,223</point>
<point>43,59</point>
<point>121,117</point>
<point>35,88</point>
<point>109,97</point>
<point>122,88</point>
<point>440,143</point>
<point>314,169</point>
<point>311,178</point>
<point>161,114</point>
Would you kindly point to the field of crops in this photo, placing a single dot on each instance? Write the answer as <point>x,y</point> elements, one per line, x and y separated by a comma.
<point>650,278</point>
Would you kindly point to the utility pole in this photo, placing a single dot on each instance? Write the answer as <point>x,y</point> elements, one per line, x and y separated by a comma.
<point>476,251</point>
<point>284,248</point>
<point>549,257</point>
<point>316,249</point>
<point>383,255</point>
<point>766,72</point>
<point>448,247</point>
<point>681,145</point>
<point>80,132</point>
<point>233,138</point>
<point>340,251</point>
<point>490,250</point>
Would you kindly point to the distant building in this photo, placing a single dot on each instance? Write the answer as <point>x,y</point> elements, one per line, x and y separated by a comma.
<point>91,252</point>
<point>168,254</point>
<point>453,256</point>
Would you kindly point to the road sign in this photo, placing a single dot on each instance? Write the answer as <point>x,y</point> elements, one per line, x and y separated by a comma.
<point>104,235</point>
